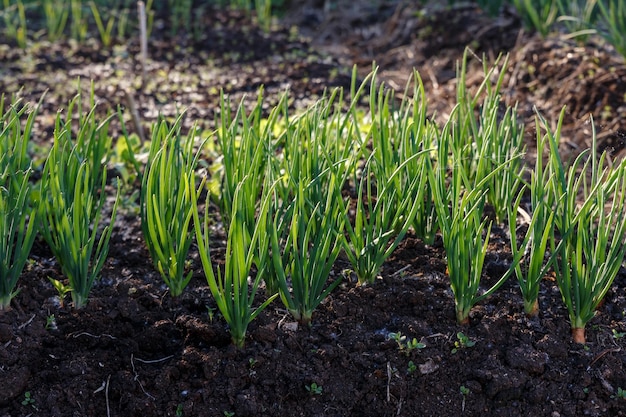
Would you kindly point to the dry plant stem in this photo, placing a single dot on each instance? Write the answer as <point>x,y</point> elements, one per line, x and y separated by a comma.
<point>144,39</point>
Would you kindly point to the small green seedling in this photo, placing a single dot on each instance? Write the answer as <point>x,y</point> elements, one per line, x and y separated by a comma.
<point>61,288</point>
<point>211,313</point>
<point>51,323</point>
<point>464,392</point>
<point>462,342</point>
<point>411,368</point>
<point>229,413</point>
<point>314,389</point>
<point>28,400</point>
<point>621,393</point>
<point>179,410</point>
<point>618,335</point>
<point>406,345</point>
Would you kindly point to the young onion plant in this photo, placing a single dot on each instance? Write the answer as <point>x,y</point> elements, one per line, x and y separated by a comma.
<point>243,143</point>
<point>230,289</point>
<point>460,205</point>
<point>311,248</point>
<point>493,139</point>
<point>166,206</point>
<point>248,145</point>
<point>418,134</point>
<point>614,23</point>
<point>540,230</point>
<point>17,215</point>
<point>71,213</point>
<point>72,201</point>
<point>320,151</point>
<point>381,220</point>
<point>389,195</point>
<point>591,221</point>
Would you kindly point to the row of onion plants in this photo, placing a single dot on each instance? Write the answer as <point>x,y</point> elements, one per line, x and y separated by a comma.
<point>295,192</point>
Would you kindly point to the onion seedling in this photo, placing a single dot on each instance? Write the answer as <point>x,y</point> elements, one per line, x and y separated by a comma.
<point>310,250</point>
<point>230,289</point>
<point>459,206</point>
<point>166,207</point>
<point>532,268</point>
<point>72,192</point>
<point>390,191</point>
<point>493,139</point>
<point>537,14</point>
<point>614,19</point>
<point>593,231</point>
<point>243,144</point>
<point>70,226</point>
<point>381,221</point>
<point>18,218</point>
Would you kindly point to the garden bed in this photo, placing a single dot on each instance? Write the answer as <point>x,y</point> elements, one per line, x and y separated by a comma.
<point>134,350</point>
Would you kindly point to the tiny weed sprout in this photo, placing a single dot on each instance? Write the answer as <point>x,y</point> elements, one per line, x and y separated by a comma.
<point>404,344</point>
<point>462,342</point>
<point>314,389</point>
<point>179,411</point>
<point>411,368</point>
<point>51,323</point>
<point>618,335</point>
<point>464,393</point>
<point>18,217</point>
<point>621,393</point>
<point>166,207</point>
<point>28,400</point>
<point>61,288</point>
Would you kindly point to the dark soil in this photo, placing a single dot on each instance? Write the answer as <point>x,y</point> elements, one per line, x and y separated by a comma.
<point>135,351</point>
